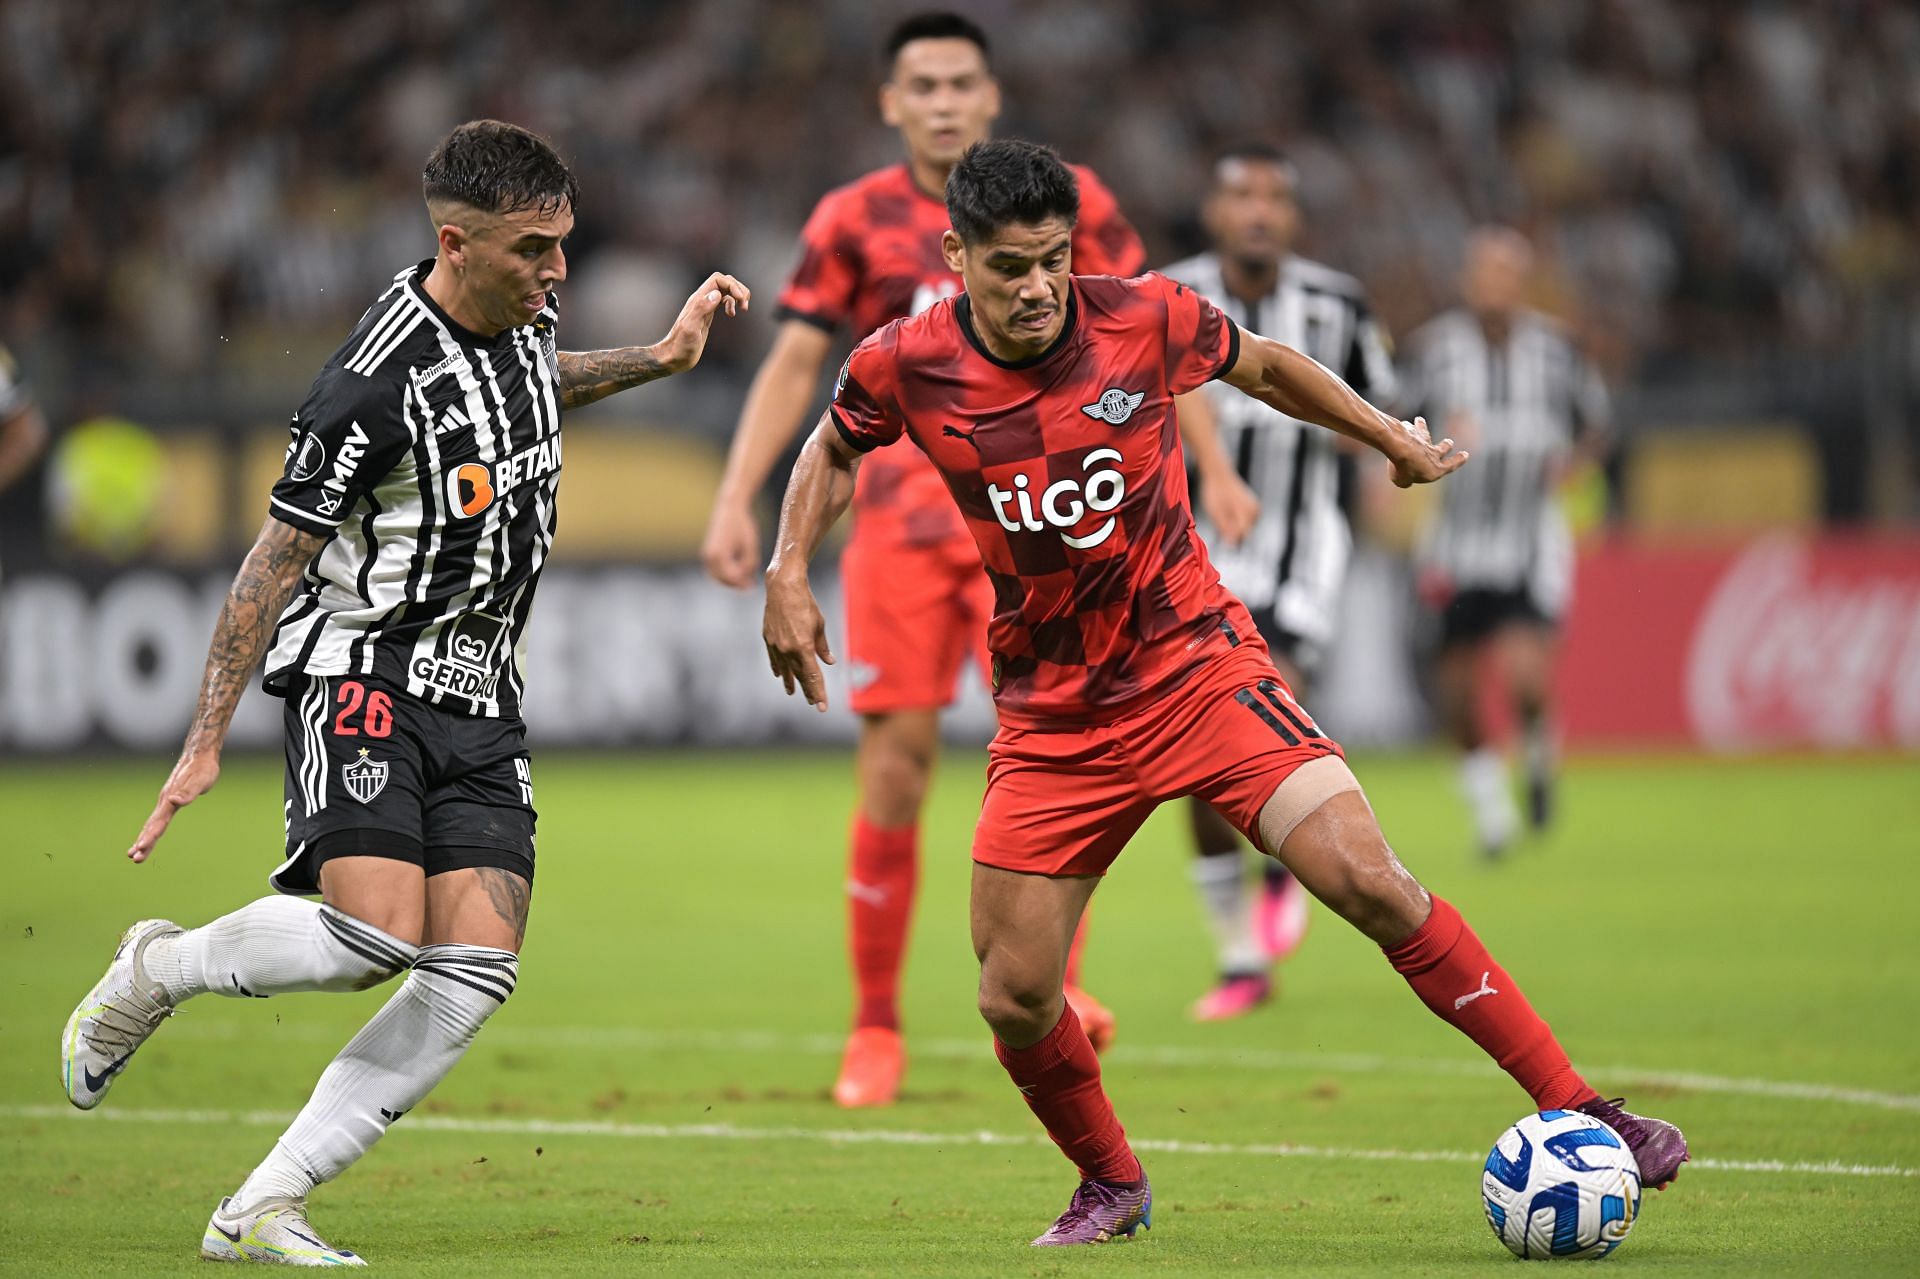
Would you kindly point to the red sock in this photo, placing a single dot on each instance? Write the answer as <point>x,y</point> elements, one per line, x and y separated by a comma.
<point>1455,976</point>
<point>1060,1078</point>
<point>880,880</point>
<point>1079,944</point>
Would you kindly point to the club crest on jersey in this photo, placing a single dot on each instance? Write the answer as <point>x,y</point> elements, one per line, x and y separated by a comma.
<point>1114,406</point>
<point>365,777</point>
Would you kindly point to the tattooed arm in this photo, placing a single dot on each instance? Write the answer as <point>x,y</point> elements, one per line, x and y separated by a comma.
<point>586,376</point>
<point>260,591</point>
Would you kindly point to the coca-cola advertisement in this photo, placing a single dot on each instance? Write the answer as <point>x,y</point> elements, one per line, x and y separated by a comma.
<point>1781,643</point>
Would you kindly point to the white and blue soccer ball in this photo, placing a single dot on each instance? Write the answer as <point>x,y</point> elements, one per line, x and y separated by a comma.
<point>1561,1185</point>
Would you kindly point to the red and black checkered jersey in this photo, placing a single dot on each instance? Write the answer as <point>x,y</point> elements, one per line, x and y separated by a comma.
<point>1068,471</point>
<point>870,254</point>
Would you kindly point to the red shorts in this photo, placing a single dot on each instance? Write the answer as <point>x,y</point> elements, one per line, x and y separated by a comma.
<point>916,613</point>
<point>1066,803</point>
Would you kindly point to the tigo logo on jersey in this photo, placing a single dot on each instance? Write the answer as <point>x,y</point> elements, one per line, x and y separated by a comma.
<point>1060,504</point>
<point>1114,406</point>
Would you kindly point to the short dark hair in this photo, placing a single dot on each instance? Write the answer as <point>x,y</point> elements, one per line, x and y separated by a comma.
<point>499,168</point>
<point>1256,152</point>
<point>935,25</point>
<point>1007,180</point>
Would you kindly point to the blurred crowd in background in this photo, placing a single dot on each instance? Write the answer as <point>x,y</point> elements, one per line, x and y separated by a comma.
<point>197,197</point>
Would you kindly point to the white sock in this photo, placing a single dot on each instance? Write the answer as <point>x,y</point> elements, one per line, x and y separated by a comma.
<point>1221,880</point>
<point>1483,777</point>
<point>387,1069</point>
<point>272,947</point>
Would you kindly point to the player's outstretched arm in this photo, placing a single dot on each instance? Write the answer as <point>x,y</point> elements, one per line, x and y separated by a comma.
<point>254,602</point>
<point>776,405</point>
<point>1229,502</point>
<point>817,496</point>
<point>586,376</point>
<point>1282,377</point>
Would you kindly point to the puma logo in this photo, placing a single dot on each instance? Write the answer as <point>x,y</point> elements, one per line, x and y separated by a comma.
<point>959,434</point>
<point>872,894</point>
<point>1485,989</point>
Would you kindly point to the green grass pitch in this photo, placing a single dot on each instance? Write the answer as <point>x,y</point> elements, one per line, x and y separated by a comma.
<point>1731,944</point>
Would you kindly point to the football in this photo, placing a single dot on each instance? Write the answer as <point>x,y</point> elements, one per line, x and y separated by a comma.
<point>1561,1185</point>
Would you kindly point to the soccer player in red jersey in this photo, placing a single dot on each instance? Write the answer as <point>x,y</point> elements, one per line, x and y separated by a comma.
<point>917,602</point>
<point>1124,673</point>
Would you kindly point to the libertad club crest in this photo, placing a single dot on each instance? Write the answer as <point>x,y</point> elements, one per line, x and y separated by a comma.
<point>365,777</point>
<point>1114,405</point>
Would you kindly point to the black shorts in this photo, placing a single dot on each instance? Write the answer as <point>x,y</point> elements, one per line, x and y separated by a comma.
<point>1287,646</point>
<point>373,771</point>
<point>1472,615</point>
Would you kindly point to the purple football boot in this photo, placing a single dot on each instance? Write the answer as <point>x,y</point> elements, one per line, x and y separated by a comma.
<point>1102,1213</point>
<point>1658,1147</point>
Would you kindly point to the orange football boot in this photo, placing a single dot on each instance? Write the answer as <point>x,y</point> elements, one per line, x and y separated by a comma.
<point>871,1068</point>
<point>1094,1017</point>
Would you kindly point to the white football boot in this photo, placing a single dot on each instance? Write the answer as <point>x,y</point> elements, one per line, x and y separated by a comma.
<point>110,1024</point>
<point>276,1232</point>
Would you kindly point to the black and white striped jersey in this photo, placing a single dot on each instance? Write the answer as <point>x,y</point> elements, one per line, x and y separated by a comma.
<point>1519,406</point>
<point>431,457</point>
<point>1295,559</point>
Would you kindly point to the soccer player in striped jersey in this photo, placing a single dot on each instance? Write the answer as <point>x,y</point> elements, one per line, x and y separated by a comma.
<point>389,592</point>
<point>1124,673</point>
<point>1289,568</point>
<point>1497,561</point>
<point>917,602</point>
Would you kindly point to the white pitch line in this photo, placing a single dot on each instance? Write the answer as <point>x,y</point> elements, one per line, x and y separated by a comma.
<point>767,1041</point>
<point>889,1137</point>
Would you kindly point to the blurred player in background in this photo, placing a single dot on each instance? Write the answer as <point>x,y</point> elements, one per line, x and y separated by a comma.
<point>1125,675</point>
<point>1496,562</point>
<point>389,593</point>
<point>1289,568</point>
<point>23,431</point>
<point>917,601</point>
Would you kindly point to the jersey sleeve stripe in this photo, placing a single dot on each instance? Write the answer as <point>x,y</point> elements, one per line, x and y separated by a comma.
<point>306,521</point>
<point>367,366</point>
<point>853,441</point>
<point>1233,351</point>
<point>382,328</point>
<point>806,317</point>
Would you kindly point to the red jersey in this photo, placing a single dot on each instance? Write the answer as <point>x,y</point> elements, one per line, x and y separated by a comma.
<point>870,254</point>
<point>1068,471</point>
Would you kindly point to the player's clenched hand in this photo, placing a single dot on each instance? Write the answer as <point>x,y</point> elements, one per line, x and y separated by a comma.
<point>731,549</point>
<point>191,778</point>
<point>1424,461</point>
<point>796,634</point>
<point>1230,504</point>
<point>680,350</point>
